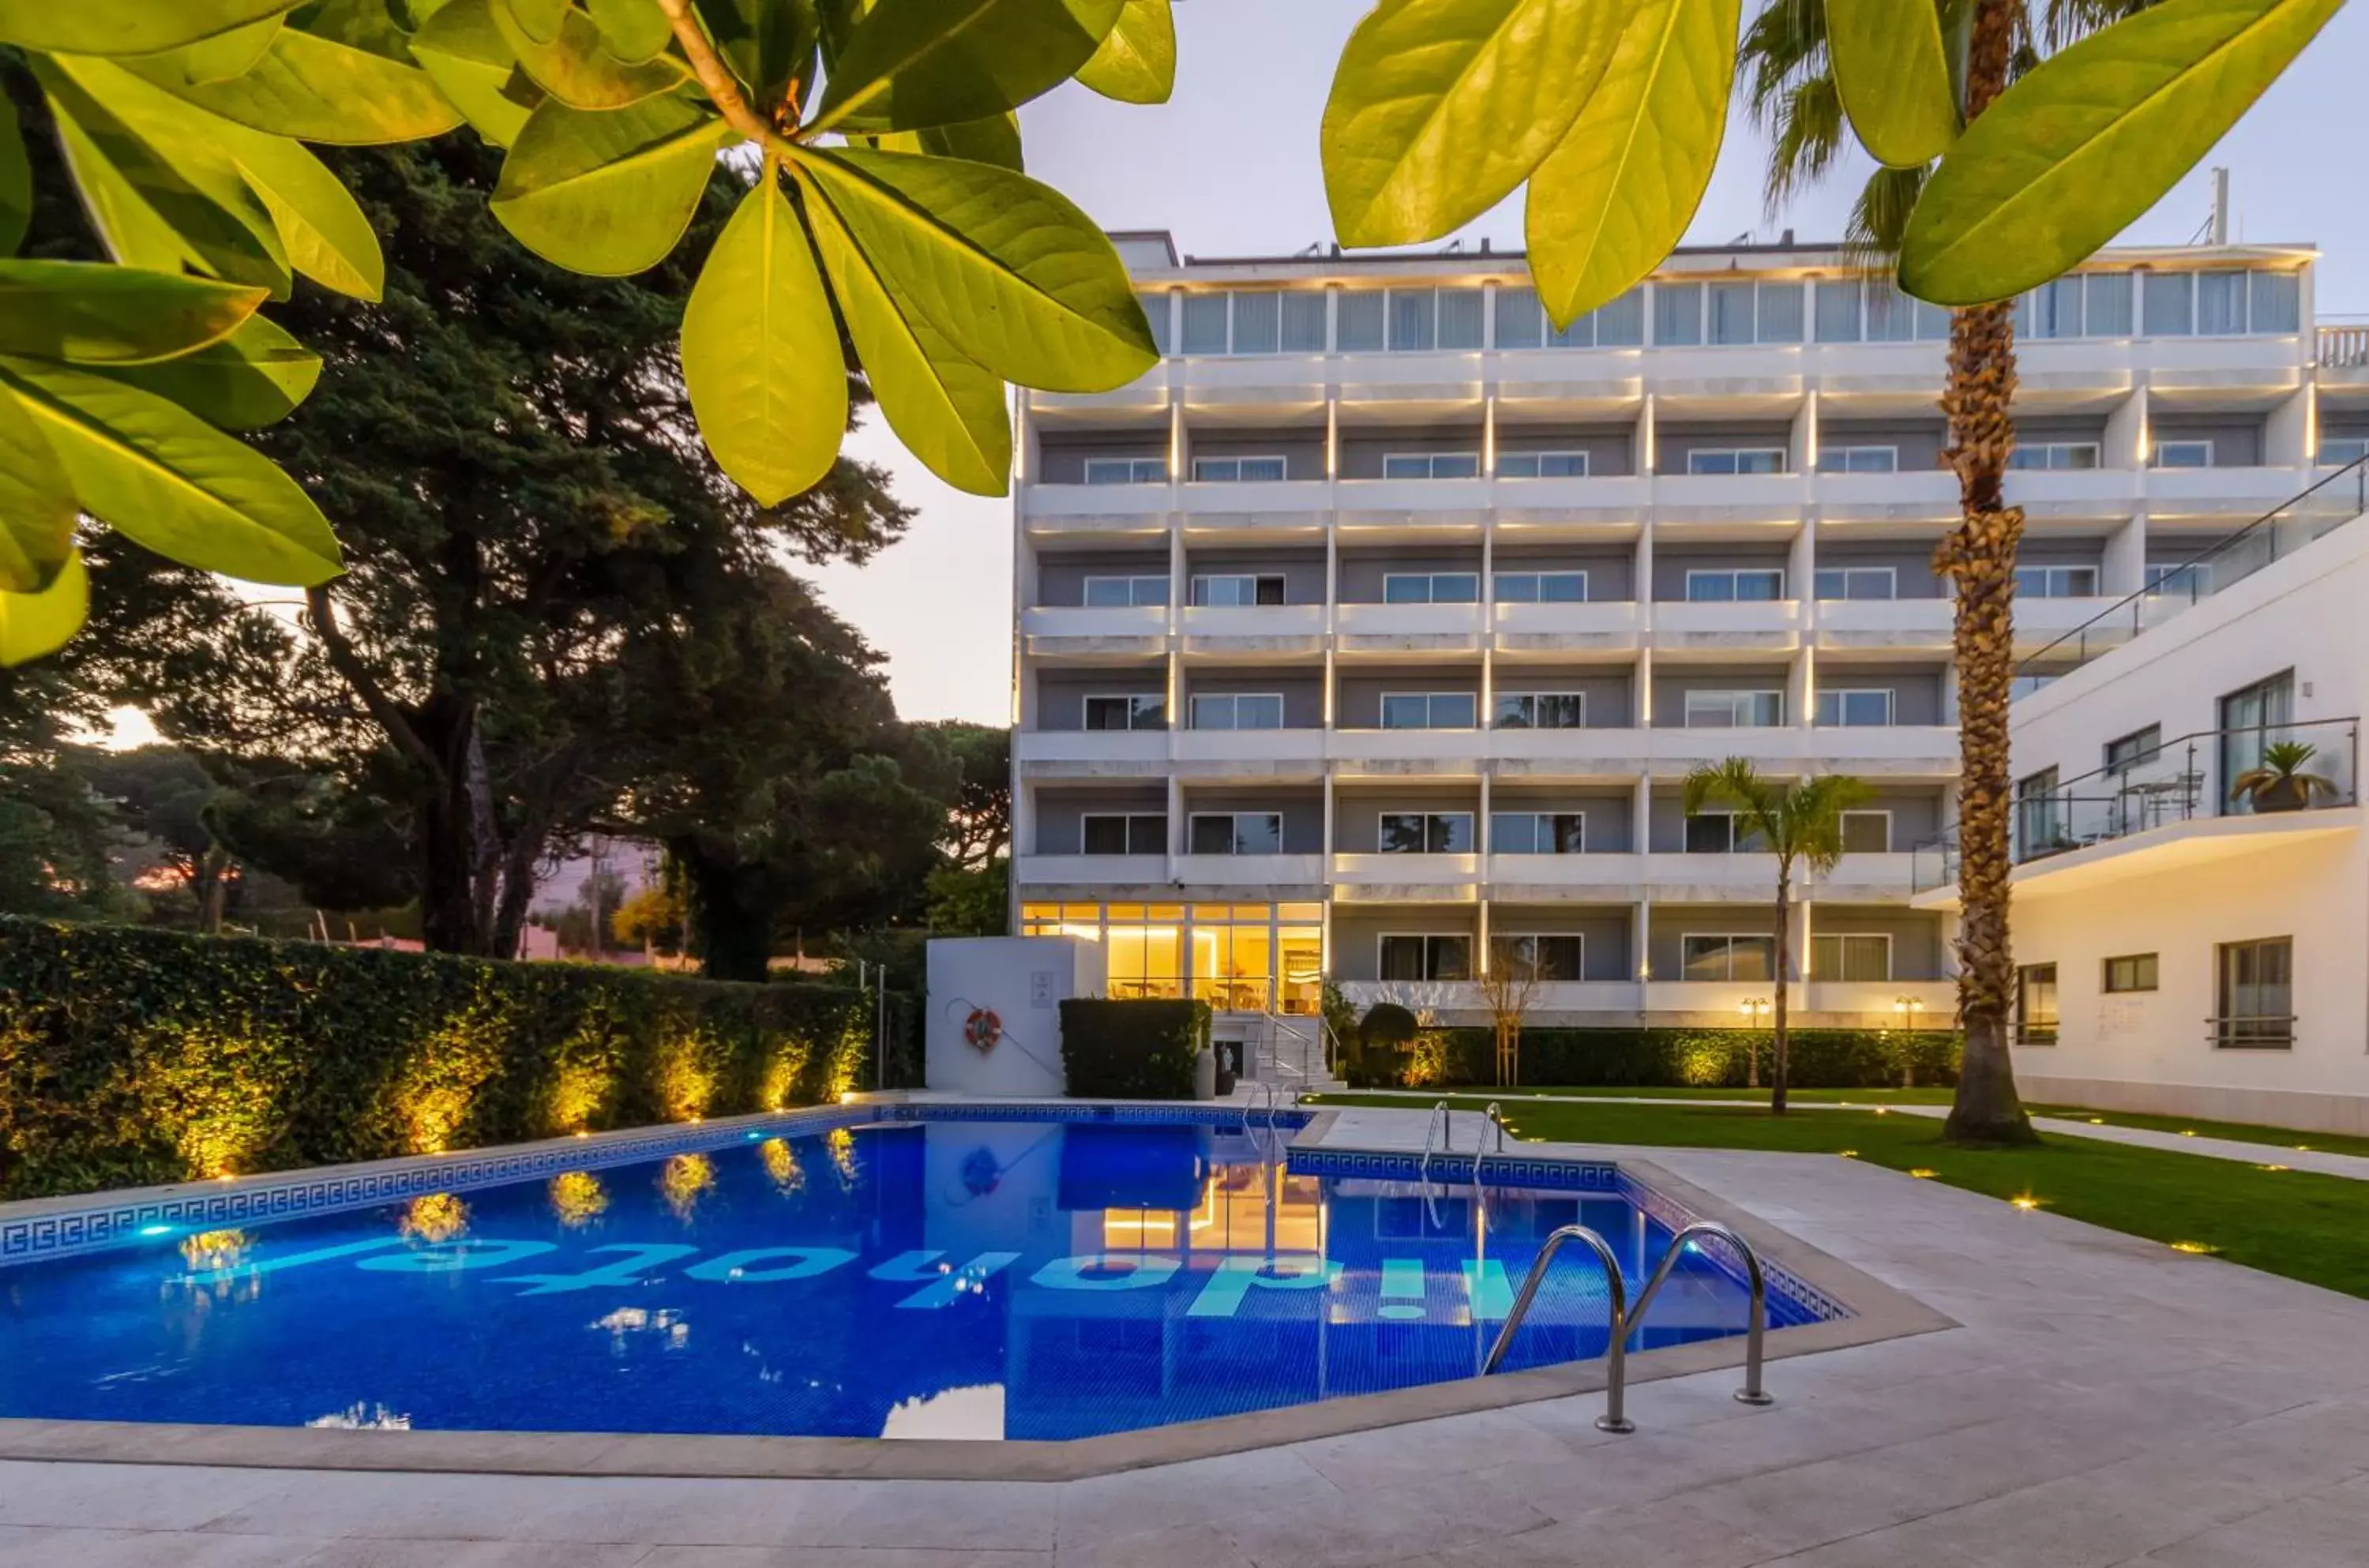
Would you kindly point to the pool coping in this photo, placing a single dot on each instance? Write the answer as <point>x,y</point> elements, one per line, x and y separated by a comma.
<point>1878,1312</point>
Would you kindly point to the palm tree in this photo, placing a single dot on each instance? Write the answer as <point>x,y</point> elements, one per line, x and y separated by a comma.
<point>1800,823</point>
<point>1789,88</point>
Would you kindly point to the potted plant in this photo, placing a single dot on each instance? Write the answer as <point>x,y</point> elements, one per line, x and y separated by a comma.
<point>2279,782</point>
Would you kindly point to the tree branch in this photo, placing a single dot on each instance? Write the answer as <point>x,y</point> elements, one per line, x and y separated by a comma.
<point>715,77</point>
<point>347,662</point>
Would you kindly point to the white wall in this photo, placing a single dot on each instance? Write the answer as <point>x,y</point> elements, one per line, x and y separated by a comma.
<point>1022,979</point>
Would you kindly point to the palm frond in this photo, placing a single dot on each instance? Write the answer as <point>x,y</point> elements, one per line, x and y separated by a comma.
<point>1878,219</point>
<point>2066,22</point>
<point>1785,43</point>
<point>1815,808</point>
<point>1806,134</point>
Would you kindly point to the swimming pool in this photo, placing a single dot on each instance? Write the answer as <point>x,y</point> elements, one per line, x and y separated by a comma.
<point>948,1273</point>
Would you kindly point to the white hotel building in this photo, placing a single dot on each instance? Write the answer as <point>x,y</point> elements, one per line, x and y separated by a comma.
<point>1377,627</point>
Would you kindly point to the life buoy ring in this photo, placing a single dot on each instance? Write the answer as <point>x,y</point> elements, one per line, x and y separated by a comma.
<point>982,1029</point>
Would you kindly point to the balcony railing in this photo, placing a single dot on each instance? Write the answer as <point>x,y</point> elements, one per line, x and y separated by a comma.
<point>2180,780</point>
<point>2327,506</point>
<point>2344,345</point>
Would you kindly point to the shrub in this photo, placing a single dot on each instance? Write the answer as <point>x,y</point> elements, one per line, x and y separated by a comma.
<point>1674,1058</point>
<point>130,1055</point>
<point>1132,1050</point>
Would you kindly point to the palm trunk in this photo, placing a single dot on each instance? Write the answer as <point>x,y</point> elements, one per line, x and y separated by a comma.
<point>1784,969</point>
<point>1979,558</point>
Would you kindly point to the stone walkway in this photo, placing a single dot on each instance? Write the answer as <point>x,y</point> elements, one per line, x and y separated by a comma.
<point>2107,1402</point>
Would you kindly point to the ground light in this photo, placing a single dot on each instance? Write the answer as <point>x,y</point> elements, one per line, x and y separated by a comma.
<point>2026,1202</point>
<point>2271,1167</point>
<point>2200,1249</point>
<point>1923,1174</point>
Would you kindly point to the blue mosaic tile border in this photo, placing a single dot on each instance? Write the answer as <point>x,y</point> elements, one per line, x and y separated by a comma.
<point>1500,1170</point>
<point>1183,1114</point>
<point>106,1222</point>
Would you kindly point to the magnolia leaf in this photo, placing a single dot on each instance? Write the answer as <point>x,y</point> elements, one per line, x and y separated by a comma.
<point>34,624</point>
<point>255,377</point>
<point>2077,150</point>
<point>1136,62</point>
<point>37,505</point>
<point>1439,107</point>
<point>367,25</point>
<point>995,140</point>
<point>577,69</point>
<point>608,194</point>
<point>541,19</point>
<point>125,26</point>
<point>328,237</point>
<point>96,313</point>
<point>15,186</point>
<point>226,55</point>
<point>1615,197</point>
<point>470,61</point>
<point>1892,73</point>
<point>315,89</point>
<point>1006,269</point>
<point>761,352</point>
<point>635,31</point>
<point>947,411</point>
<point>167,479</point>
<point>910,65</point>
<point>766,42</point>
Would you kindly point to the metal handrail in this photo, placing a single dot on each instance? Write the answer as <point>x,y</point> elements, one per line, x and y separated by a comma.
<point>1625,1317</point>
<point>1441,1121</point>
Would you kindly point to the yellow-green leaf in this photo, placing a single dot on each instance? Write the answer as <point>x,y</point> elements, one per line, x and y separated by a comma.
<point>466,53</point>
<point>577,69</point>
<point>165,478</point>
<point>1137,63</point>
<point>910,65</point>
<point>1615,197</point>
<point>224,55</point>
<point>766,42</point>
<point>315,89</point>
<point>541,18</point>
<point>15,186</point>
<point>1006,269</point>
<point>34,624</point>
<point>1439,107</point>
<point>37,505</point>
<point>635,29</point>
<point>94,312</point>
<point>255,377</point>
<point>608,193</point>
<point>760,353</point>
<point>125,26</point>
<point>329,237</point>
<point>2075,152</point>
<point>948,411</point>
<point>1893,74</point>
<point>995,140</point>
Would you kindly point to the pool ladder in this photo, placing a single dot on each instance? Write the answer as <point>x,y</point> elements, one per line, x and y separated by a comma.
<point>1625,1317</point>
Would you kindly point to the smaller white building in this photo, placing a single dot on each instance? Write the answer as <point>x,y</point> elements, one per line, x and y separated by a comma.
<point>2184,948</point>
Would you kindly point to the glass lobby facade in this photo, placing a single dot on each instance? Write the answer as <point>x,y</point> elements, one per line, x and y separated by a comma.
<point>1236,957</point>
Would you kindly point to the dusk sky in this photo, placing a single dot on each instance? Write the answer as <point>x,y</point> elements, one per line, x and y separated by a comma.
<point>1230,167</point>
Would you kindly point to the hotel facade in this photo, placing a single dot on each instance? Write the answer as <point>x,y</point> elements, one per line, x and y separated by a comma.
<point>1372,633</point>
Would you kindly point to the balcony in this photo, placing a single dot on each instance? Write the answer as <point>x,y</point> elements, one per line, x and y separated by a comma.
<point>1681,499</point>
<point>1090,870</point>
<point>1928,496</point>
<point>1252,754</point>
<point>1908,624</point>
<point>1612,500</point>
<point>1710,878</point>
<point>1271,507</point>
<point>1383,503</point>
<point>1600,628</point>
<point>1546,878</point>
<point>1460,1001</point>
<point>2246,493</point>
<point>1867,878</point>
<point>1562,380</point>
<point>1412,752</point>
<point>1768,626</point>
<point>1115,753</point>
<point>1612,752</point>
<point>1295,874</point>
<point>1894,750</point>
<point>1428,878</point>
<point>1421,629</point>
<point>1254,631</point>
<point>1065,631</point>
<point>1452,377</point>
<point>1096,508</point>
<point>2102,493</point>
<point>1931,1003</point>
<point>1226,382</point>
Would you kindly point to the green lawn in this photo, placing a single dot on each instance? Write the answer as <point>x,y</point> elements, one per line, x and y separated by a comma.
<point>2310,1227</point>
<point>2241,1132</point>
<point>1805,1096</point>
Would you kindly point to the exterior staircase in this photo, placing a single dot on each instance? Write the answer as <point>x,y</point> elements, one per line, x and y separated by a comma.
<point>1291,1051</point>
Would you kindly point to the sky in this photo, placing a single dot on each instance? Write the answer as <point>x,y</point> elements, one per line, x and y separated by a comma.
<point>1228,166</point>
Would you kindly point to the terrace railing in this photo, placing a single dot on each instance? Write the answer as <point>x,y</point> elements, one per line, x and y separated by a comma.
<point>2343,343</point>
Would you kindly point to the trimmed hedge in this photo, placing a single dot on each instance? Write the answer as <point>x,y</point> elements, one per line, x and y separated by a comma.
<point>1673,1059</point>
<point>130,1055</point>
<point>1132,1050</point>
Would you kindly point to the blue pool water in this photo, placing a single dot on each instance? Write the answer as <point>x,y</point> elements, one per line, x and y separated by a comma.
<point>934,1278</point>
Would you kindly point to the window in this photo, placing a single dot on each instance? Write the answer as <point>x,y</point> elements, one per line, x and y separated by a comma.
<point>1205,324</point>
<point>1303,322</point>
<point>2035,1004</point>
<point>1425,832</point>
<point>2183,455</point>
<point>1431,466</point>
<point>2052,310</point>
<point>1715,832</point>
<point>1731,313</point>
<point>2256,995</point>
<point>1541,588</point>
<point>1858,458</point>
<point>1736,460</point>
<point>2135,751</point>
<point>1155,311</point>
<point>2220,303</point>
<point>1117,593</point>
<point>1865,708</point>
<point>1541,710</point>
<point>1431,587</point>
<point>1728,957</point>
<point>2055,455</point>
<point>2189,580</point>
<point>1891,315</point>
<point>1426,957</point>
<point>1546,957</point>
<point>1358,321</point>
<point>1522,323</point>
<point>1677,313</point>
<point>1237,590</point>
<point>1237,832</point>
<point>1837,310</point>
<point>2167,303</point>
<point>1542,465</point>
<point>1851,956</point>
<point>1867,832</point>
<point>1430,710</point>
<point>1735,585</point>
<point>1780,312</point>
<point>2277,298</point>
<point>1414,320</point>
<point>1257,316</point>
<point>1126,471</point>
<point>1135,711</point>
<point>2135,972</point>
<point>2253,719</point>
<point>2335,452</point>
<point>1423,319</point>
<point>2038,824</point>
<point>1238,710</point>
<point>1461,318</point>
<point>1858,582</point>
<point>1537,832</point>
<point>2106,303</point>
<point>1245,470</point>
<point>1115,834</point>
<point>1735,710</point>
<point>2057,582</point>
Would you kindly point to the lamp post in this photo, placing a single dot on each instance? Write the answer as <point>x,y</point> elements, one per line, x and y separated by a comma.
<point>1753,1008</point>
<point>1907,1008</point>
